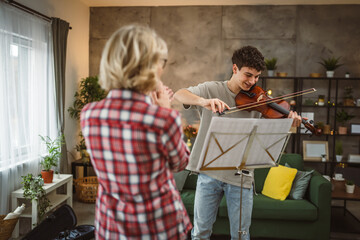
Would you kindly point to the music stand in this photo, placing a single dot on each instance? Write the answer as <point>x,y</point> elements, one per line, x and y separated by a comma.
<point>257,143</point>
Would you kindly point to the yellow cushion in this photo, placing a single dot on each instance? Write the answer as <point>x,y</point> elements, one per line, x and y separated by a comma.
<point>278,182</point>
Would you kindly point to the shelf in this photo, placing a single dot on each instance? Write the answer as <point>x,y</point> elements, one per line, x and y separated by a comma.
<point>55,200</point>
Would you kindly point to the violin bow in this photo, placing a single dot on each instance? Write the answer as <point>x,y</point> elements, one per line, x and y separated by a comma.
<point>271,100</point>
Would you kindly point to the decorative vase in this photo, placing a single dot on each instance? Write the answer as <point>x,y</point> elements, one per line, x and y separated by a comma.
<point>47,176</point>
<point>350,188</point>
<point>338,158</point>
<point>270,73</point>
<point>329,74</point>
<point>327,129</point>
<point>349,102</point>
<point>342,130</point>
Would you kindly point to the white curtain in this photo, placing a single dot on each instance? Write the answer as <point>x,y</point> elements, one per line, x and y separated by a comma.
<point>27,97</point>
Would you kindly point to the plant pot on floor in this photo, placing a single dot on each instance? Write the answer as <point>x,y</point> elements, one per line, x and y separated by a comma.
<point>47,176</point>
<point>350,188</point>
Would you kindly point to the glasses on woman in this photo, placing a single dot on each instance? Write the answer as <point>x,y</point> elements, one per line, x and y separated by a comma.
<point>165,61</point>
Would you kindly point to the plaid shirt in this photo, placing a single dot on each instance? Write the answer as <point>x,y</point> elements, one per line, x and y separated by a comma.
<point>134,147</point>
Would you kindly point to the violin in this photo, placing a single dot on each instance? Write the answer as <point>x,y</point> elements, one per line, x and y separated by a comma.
<point>256,99</point>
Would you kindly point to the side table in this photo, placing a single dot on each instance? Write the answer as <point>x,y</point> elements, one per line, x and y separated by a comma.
<point>339,193</point>
<point>55,199</point>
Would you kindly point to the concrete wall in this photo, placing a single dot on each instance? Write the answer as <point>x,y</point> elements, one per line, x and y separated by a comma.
<point>77,56</point>
<point>201,39</point>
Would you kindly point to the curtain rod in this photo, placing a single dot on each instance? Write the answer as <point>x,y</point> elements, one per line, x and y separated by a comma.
<point>29,10</point>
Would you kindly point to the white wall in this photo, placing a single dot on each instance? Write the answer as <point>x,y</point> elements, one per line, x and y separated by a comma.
<point>77,62</point>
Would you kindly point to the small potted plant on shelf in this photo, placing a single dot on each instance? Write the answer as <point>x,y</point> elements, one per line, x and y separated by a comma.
<point>330,64</point>
<point>348,96</point>
<point>343,117</point>
<point>338,150</point>
<point>34,191</point>
<point>350,186</point>
<point>52,158</point>
<point>319,127</point>
<point>271,66</point>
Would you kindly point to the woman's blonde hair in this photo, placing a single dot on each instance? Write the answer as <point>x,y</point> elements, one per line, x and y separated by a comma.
<point>130,59</point>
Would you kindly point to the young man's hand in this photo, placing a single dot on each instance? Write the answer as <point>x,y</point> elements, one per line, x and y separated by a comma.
<point>214,104</point>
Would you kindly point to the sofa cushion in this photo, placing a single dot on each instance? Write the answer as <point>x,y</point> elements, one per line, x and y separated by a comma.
<point>300,183</point>
<point>188,198</point>
<point>223,208</point>
<point>278,182</point>
<point>191,181</point>
<point>293,159</point>
<point>297,210</point>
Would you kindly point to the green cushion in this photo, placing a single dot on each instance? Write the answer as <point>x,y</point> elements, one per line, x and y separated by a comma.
<point>259,177</point>
<point>223,208</point>
<point>300,184</point>
<point>190,182</point>
<point>188,198</point>
<point>293,159</point>
<point>297,210</point>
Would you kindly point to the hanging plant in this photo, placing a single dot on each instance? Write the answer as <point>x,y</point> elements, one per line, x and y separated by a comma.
<point>34,191</point>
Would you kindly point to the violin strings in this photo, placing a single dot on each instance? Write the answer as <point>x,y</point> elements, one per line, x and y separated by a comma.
<point>260,103</point>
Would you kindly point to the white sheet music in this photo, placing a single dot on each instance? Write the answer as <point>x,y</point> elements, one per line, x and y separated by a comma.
<point>227,138</point>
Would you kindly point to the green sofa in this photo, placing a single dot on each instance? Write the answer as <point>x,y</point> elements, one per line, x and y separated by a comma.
<point>290,219</point>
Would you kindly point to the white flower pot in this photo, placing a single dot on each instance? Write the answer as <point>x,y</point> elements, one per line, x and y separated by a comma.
<point>338,158</point>
<point>329,74</point>
<point>350,188</point>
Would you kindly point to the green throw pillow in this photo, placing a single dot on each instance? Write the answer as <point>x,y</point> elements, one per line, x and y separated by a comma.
<point>300,184</point>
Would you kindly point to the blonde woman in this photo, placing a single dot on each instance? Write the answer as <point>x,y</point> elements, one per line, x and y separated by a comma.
<point>135,142</point>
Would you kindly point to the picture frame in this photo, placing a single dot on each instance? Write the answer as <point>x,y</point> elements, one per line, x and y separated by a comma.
<point>313,150</point>
<point>355,128</point>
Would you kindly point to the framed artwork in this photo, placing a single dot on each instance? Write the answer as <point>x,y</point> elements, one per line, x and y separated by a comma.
<point>355,128</point>
<point>315,150</point>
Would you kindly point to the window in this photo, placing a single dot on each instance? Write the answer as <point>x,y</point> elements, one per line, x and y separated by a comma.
<point>27,94</point>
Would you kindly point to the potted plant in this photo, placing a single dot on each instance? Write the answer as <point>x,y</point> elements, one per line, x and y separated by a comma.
<point>270,66</point>
<point>52,158</point>
<point>338,150</point>
<point>81,148</point>
<point>89,91</point>
<point>348,96</point>
<point>330,64</point>
<point>34,191</point>
<point>350,186</point>
<point>319,127</point>
<point>342,117</point>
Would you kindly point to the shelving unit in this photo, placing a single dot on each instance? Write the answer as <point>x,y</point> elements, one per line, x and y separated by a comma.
<point>55,199</point>
<point>332,88</point>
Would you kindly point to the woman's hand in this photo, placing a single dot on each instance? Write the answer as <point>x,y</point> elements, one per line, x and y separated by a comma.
<point>162,96</point>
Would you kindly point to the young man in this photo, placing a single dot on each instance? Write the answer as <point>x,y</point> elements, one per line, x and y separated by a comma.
<point>216,96</point>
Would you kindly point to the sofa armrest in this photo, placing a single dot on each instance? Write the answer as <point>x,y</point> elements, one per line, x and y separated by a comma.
<point>320,190</point>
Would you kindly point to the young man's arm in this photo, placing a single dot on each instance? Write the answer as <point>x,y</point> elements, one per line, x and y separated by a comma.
<point>186,97</point>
